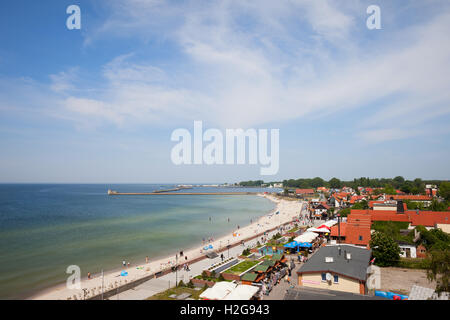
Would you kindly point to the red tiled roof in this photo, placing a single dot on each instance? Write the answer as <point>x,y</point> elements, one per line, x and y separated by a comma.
<point>429,218</point>
<point>358,234</point>
<point>304,191</point>
<point>409,197</point>
<point>353,199</point>
<point>335,231</point>
<point>321,204</point>
<point>389,216</point>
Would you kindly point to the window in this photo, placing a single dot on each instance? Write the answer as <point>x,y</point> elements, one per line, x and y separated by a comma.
<point>336,279</point>
<point>324,277</point>
<point>360,238</point>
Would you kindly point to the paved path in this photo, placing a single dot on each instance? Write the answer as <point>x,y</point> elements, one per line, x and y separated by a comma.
<point>154,286</point>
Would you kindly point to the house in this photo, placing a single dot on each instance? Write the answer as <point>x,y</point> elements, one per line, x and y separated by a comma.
<point>355,199</point>
<point>388,205</point>
<point>323,190</point>
<point>425,200</point>
<point>319,210</point>
<point>338,232</point>
<point>407,250</point>
<point>355,231</point>
<point>340,267</point>
<point>421,251</point>
<point>430,219</point>
<point>336,201</point>
<point>431,190</point>
<point>304,192</point>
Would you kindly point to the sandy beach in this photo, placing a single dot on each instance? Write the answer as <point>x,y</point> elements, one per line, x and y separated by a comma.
<point>288,210</point>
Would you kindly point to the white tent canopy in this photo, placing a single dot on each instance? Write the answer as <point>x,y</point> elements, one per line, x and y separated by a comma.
<point>242,292</point>
<point>318,230</point>
<point>219,291</point>
<point>330,223</point>
<point>306,237</point>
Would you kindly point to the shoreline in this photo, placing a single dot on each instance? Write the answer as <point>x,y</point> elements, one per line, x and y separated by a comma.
<point>162,265</point>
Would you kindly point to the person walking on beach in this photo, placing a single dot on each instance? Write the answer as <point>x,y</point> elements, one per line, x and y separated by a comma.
<point>89,276</point>
<point>124,263</point>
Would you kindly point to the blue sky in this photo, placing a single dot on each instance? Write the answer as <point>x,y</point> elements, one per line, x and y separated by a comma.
<point>99,104</point>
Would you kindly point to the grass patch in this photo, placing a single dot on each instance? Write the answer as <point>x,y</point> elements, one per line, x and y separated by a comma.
<point>241,267</point>
<point>293,230</point>
<point>413,263</point>
<point>179,290</point>
<point>392,229</point>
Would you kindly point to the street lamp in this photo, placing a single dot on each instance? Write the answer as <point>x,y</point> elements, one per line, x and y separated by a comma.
<point>176,270</point>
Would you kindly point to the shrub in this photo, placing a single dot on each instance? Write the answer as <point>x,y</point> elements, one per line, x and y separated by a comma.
<point>385,250</point>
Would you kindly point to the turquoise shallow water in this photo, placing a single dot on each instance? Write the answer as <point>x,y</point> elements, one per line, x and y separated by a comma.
<point>45,228</point>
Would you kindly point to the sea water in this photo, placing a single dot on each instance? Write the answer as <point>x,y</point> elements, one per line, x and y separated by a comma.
<point>46,228</point>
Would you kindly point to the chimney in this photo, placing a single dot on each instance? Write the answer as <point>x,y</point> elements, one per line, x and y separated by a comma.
<point>400,208</point>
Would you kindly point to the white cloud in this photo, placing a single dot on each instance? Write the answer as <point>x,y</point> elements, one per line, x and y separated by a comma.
<point>249,63</point>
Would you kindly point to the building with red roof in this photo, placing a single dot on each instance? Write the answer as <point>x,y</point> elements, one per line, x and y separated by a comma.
<point>410,197</point>
<point>355,231</point>
<point>304,191</point>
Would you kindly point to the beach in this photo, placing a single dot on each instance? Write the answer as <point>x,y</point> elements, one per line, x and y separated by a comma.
<point>285,212</point>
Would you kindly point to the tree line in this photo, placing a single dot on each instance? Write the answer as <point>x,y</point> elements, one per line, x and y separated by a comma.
<point>416,186</point>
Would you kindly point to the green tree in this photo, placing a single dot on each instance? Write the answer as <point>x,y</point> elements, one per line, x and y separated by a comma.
<point>444,190</point>
<point>317,182</point>
<point>439,269</point>
<point>344,212</point>
<point>361,205</point>
<point>438,206</point>
<point>385,250</point>
<point>398,181</point>
<point>389,189</point>
<point>335,183</point>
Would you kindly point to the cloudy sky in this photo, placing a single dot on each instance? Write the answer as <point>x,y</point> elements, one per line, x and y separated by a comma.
<point>99,104</point>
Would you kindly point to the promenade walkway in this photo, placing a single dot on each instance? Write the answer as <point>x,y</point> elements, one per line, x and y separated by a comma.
<point>154,286</point>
